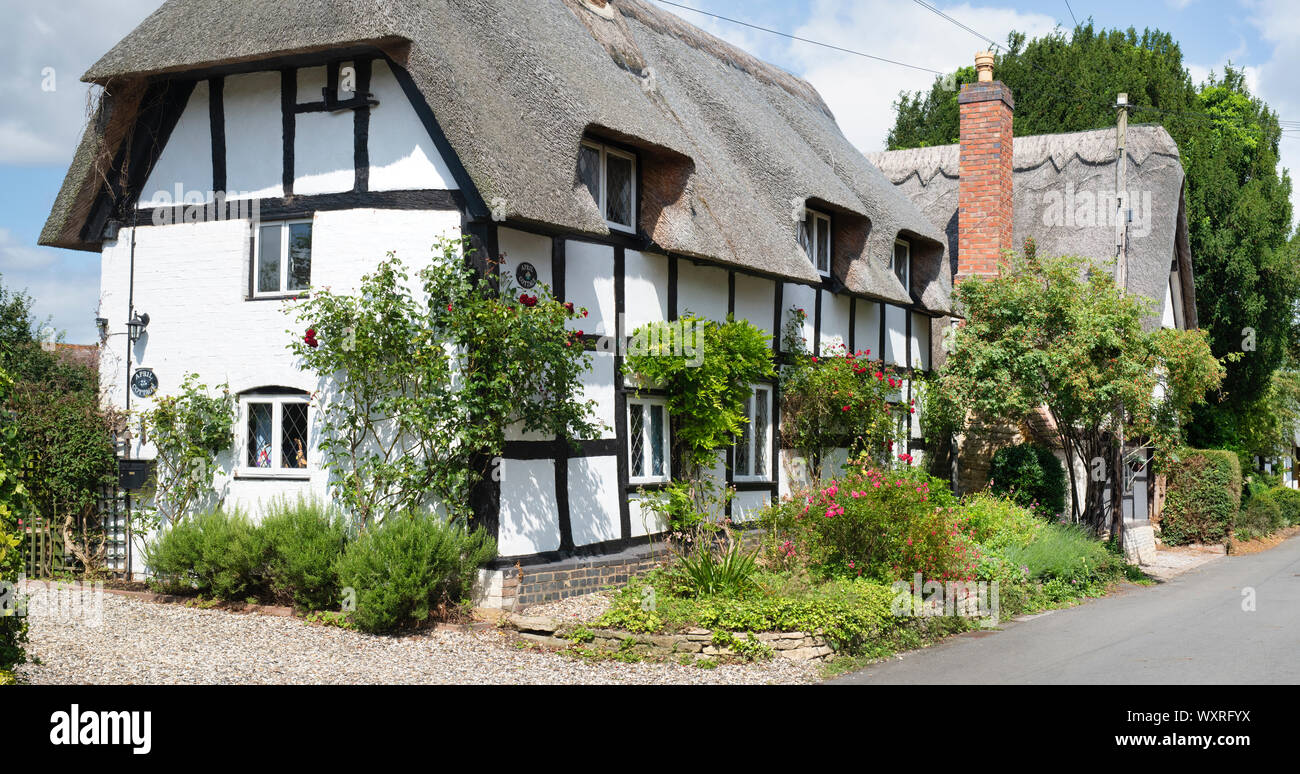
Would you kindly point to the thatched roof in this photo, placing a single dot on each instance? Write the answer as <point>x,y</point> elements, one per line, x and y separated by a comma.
<point>1062,168</point>
<point>729,141</point>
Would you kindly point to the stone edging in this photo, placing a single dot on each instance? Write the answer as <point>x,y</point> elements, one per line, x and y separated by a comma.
<point>699,643</point>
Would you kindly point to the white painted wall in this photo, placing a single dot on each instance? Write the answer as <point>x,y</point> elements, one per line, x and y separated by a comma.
<point>835,322</point>
<point>866,322</point>
<point>254,136</point>
<point>529,521</point>
<point>402,155</point>
<point>801,297</point>
<point>645,285</point>
<point>323,153</point>
<point>594,500</point>
<point>920,341</point>
<point>186,160</point>
<point>589,282</point>
<point>701,291</point>
<point>755,302</point>
<point>895,335</point>
<point>192,280</point>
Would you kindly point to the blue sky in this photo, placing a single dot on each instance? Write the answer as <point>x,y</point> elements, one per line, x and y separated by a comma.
<point>40,127</point>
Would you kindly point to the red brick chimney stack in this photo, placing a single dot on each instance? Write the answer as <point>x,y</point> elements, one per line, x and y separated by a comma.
<point>984,196</point>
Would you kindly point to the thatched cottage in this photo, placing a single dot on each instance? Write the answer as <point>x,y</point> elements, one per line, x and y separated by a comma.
<point>639,166</point>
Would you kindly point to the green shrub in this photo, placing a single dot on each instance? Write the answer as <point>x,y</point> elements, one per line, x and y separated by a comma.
<point>302,542</point>
<point>1261,517</point>
<point>215,552</point>
<point>1031,475</point>
<point>409,565</point>
<point>881,525</point>
<point>1066,553</point>
<point>709,571</point>
<point>1204,494</point>
<point>1288,500</point>
<point>998,522</point>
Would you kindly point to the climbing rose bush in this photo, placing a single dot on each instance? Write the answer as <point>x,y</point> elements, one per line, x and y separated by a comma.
<point>876,523</point>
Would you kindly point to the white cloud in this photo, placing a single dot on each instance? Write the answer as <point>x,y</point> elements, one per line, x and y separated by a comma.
<point>1275,80</point>
<point>62,39</point>
<point>16,256</point>
<point>859,91</point>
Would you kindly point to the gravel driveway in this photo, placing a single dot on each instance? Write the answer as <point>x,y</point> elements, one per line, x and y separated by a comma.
<point>151,643</point>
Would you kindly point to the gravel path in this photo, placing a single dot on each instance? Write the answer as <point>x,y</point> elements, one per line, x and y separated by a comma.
<point>141,642</point>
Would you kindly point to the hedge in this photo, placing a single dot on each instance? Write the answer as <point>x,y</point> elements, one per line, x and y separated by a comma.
<point>1203,497</point>
<point>1032,475</point>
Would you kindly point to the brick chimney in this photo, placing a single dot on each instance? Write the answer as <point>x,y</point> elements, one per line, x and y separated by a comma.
<point>984,202</point>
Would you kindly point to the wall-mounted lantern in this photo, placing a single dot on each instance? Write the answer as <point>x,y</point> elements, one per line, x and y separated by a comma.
<point>135,326</point>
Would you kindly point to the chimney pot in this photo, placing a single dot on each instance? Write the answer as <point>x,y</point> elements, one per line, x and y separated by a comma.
<point>984,66</point>
<point>984,190</point>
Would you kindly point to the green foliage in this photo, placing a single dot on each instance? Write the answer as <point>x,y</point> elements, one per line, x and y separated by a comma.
<point>217,553</point>
<point>410,565</point>
<point>855,616</point>
<point>1204,493</point>
<point>190,431</point>
<point>998,522</point>
<point>60,431</point>
<point>1261,517</point>
<point>707,370</point>
<point>424,383</point>
<point>1238,202</point>
<point>1288,501</point>
<point>840,398</point>
<point>1065,553</point>
<point>1052,332</point>
<point>881,525</point>
<point>302,542</point>
<point>14,510</point>
<point>710,571</point>
<point>1031,475</point>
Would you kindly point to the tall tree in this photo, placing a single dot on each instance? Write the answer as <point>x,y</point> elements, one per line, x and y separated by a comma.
<point>1238,202</point>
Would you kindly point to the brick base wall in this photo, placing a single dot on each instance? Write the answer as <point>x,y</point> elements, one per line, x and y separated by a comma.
<point>515,588</point>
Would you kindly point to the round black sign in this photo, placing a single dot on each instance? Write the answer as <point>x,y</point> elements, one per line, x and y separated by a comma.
<point>144,382</point>
<point>527,276</point>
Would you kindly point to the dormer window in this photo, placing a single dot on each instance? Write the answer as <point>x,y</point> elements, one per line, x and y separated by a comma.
<point>901,262</point>
<point>815,239</point>
<point>610,175</point>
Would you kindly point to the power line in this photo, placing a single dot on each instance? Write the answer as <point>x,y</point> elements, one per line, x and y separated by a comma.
<point>932,9</point>
<point>803,40</point>
<point>1071,10</point>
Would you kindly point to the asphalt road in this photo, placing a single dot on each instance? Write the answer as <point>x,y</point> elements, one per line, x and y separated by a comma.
<point>1190,630</point>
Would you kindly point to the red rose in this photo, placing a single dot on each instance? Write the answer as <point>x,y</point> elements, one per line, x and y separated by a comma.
<point>568,307</point>
<point>880,376</point>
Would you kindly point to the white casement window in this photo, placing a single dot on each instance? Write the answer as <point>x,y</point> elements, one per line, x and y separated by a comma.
<point>274,434</point>
<point>901,262</point>
<point>815,239</point>
<point>282,258</point>
<point>647,441</point>
<point>610,176</point>
<point>754,446</point>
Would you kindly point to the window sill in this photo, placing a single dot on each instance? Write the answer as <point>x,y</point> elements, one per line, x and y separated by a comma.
<point>278,297</point>
<point>272,475</point>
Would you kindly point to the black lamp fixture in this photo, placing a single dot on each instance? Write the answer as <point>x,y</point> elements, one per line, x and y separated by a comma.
<point>136,325</point>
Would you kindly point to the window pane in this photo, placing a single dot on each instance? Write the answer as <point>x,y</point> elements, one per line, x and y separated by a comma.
<point>657,441</point>
<point>636,436</point>
<point>823,244</point>
<point>299,256</point>
<point>268,259</point>
<point>742,443</point>
<point>900,263</point>
<point>293,435</point>
<point>760,432</point>
<point>618,178</point>
<point>806,235</point>
<point>589,170</point>
<point>259,435</point>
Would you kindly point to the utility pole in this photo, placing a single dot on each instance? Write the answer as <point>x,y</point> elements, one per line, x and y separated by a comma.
<point>1119,487</point>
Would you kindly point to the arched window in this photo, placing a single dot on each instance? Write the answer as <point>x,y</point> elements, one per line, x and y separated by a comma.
<point>274,432</point>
